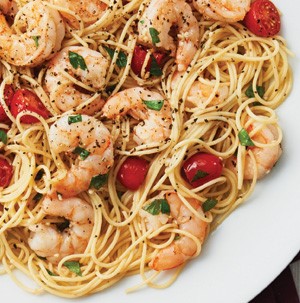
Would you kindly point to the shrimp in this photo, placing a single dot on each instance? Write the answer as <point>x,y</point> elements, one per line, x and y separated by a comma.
<point>156,124</point>
<point>201,93</point>
<point>48,242</point>
<point>90,136</point>
<point>8,7</point>
<point>63,91</point>
<point>39,33</point>
<point>156,22</point>
<point>223,10</point>
<point>265,157</point>
<point>182,249</point>
<point>88,10</point>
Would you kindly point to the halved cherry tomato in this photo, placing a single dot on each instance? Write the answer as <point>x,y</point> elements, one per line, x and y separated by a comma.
<point>8,95</point>
<point>132,172</point>
<point>139,55</point>
<point>25,99</point>
<point>6,172</point>
<point>201,168</point>
<point>263,18</point>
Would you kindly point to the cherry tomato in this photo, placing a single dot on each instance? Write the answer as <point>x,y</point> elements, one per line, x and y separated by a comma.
<point>25,99</point>
<point>139,55</point>
<point>201,168</point>
<point>6,172</point>
<point>263,18</point>
<point>132,172</point>
<point>8,95</point>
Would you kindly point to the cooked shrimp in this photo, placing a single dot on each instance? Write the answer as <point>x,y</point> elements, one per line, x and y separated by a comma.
<point>91,135</point>
<point>223,10</point>
<point>48,242</point>
<point>201,93</point>
<point>156,124</point>
<point>58,83</point>
<point>40,31</point>
<point>88,10</point>
<point>265,157</point>
<point>159,17</point>
<point>8,7</point>
<point>182,249</point>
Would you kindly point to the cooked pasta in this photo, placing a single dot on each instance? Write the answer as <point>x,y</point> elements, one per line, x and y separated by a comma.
<point>67,220</point>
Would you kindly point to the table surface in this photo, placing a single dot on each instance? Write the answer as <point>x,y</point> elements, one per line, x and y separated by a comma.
<point>285,288</point>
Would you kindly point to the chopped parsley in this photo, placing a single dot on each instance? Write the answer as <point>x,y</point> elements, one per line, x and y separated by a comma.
<point>83,153</point>
<point>259,90</point>
<point>154,104</point>
<point>122,58</point>
<point>99,181</point>
<point>73,266</point>
<point>77,60</point>
<point>209,204</point>
<point>157,206</point>
<point>155,69</point>
<point>244,138</point>
<point>3,136</point>
<point>154,35</point>
<point>74,119</point>
<point>199,174</point>
<point>36,40</point>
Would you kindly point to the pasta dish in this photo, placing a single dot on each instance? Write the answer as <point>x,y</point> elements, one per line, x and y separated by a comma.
<point>129,131</point>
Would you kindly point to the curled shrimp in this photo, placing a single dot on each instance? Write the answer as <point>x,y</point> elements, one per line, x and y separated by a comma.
<point>265,156</point>
<point>156,22</point>
<point>39,33</point>
<point>88,10</point>
<point>61,69</point>
<point>156,124</point>
<point>48,242</point>
<point>223,10</point>
<point>89,135</point>
<point>9,7</point>
<point>202,92</point>
<point>182,249</point>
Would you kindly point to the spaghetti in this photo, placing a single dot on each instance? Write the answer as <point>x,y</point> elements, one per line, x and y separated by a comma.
<point>212,102</point>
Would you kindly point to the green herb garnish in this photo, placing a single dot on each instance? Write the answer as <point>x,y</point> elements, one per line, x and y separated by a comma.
<point>154,104</point>
<point>3,136</point>
<point>244,138</point>
<point>99,181</point>
<point>77,60</point>
<point>74,119</point>
<point>157,206</point>
<point>209,204</point>
<point>36,40</point>
<point>122,58</point>
<point>154,35</point>
<point>199,174</point>
<point>83,153</point>
<point>155,69</point>
<point>259,90</point>
<point>50,273</point>
<point>74,266</point>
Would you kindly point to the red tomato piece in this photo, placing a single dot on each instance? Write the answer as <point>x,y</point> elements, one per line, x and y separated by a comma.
<point>6,172</point>
<point>201,168</point>
<point>8,95</point>
<point>139,55</point>
<point>132,172</point>
<point>263,18</point>
<point>25,99</point>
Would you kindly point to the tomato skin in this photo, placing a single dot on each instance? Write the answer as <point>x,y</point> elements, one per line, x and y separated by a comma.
<point>8,95</point>
<point>208,164</point>
<point>25,99</point>
<point>263,19</point>
<point>132,172</point>
<point>6,172</point>
<point>139,55</point>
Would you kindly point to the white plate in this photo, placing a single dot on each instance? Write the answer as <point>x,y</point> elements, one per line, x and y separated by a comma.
<point>253,245</point>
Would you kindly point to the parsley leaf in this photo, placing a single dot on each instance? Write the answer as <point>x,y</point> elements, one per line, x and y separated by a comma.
<point>154,104</point>
<point>50,273</point>
<point>99,181</point>
<point>155,69</point>
<point>83,153</point>
<point>154,35</point>
<point>122,58</point>
<point>244,138</point>
<point>199,174</point>
<point>77,60</point>
<point>157,206</point>
<point>36,40</point>
<point>209,204</point>
<point>259,89</point>
<point>74,119</point>
<point>3,136</point>
<point>73,266</point>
